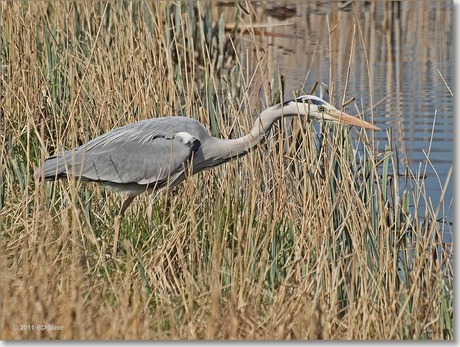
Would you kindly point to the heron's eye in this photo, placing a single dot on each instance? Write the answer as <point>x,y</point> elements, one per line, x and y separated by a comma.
<point>321,109</point>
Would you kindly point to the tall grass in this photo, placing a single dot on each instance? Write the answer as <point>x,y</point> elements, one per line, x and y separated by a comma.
<point>307,237</point>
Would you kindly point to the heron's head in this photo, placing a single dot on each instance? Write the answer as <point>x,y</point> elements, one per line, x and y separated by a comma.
<point>313,107</point>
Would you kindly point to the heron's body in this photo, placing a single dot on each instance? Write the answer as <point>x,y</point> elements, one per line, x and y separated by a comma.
<point>154,153</point>
<point>151,149</point>
<point>145,155</point>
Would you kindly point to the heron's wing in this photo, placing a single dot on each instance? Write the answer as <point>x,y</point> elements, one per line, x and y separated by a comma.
<point>157,160</point>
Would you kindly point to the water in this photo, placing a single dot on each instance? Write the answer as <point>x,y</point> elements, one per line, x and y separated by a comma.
<point>398,52</point>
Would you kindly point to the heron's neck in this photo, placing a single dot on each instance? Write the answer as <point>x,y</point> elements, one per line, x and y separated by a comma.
<point>239,147</point>
<point>261,127</point>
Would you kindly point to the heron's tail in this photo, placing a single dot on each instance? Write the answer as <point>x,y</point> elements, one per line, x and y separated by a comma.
<point>55,167</point>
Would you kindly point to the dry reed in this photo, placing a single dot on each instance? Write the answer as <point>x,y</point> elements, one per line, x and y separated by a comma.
<point>301,239</point>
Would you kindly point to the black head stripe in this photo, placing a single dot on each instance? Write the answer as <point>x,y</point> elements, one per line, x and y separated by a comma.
<point>284,104</point>
<point>308,100</point>
<point>303,99</point>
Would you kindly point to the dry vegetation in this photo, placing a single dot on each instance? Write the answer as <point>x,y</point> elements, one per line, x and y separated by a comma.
<point>307,237</point>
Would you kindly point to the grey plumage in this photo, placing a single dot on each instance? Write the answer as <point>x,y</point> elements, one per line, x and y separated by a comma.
<point>151,151</point>
<point>151,154</point>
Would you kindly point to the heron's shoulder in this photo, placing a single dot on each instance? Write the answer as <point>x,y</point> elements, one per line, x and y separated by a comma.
<point>173,124</point>
<point>170,121</point>
<point>145,130</point>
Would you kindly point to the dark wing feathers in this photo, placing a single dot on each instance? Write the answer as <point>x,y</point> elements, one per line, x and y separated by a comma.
<point>147,152</point>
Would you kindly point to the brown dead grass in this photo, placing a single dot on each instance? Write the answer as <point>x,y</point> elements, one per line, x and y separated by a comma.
<point>284,244</point>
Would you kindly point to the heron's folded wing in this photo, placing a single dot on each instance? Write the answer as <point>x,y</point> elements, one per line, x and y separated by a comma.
<point>156,161</point>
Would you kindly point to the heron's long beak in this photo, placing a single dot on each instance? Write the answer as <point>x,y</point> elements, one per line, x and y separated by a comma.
<point>344,118</point>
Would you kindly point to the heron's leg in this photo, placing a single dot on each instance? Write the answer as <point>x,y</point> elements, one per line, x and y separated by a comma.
<point>126,204</point>
<point>117,223</point>
<point>117,231</point>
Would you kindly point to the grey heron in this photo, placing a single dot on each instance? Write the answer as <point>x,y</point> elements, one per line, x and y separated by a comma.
<point>154,153</point>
